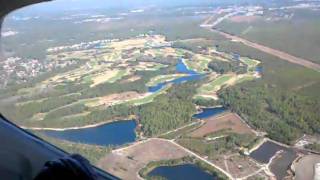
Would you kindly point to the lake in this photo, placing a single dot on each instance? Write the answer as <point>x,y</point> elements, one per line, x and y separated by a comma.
<point>182,172</point>
<point>265,152</point>
<point>281,164</point>
<point>180,68</point>
<point>115,133</point>
<point>208,112</point>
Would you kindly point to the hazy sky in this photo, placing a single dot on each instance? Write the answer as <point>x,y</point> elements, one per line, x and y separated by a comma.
<point>58,5</point>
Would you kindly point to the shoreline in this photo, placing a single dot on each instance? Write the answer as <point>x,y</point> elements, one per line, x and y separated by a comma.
<point>75,127</point>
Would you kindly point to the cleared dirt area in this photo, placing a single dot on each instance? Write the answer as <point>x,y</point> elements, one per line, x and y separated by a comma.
<point>131,79</point>
<point>127,162</point>
<point>103,77</point>
<point>304,167</point>
<point>229,121</point>
<point>119,97</point>
<point>240,166</point>
<point>240,19</point>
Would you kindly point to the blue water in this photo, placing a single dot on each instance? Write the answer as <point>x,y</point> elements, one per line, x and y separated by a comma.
<point>265,152</point>
<point>116,133</point>
<point>208,112</point>
<point>182,172</point>
<point>180,68</point>
<point>259,69</point>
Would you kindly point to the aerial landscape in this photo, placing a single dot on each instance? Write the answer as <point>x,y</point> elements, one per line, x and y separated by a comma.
<point>162,90</point>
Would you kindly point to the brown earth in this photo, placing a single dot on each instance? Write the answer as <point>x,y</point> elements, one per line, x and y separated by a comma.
<point>127,162</point>
<point>230,121</point>
<point>119,97</point>
<point>240,19</point>
<point>304,167</point>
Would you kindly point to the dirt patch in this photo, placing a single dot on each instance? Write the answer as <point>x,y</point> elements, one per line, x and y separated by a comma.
<point>240,166</point>
<point>126,163</point>
<point>304,167</point>
<point>240,19</point>
<point>229,121</point>
<point>103,77</point>
<point>119,97</point>
<point>131,79</point>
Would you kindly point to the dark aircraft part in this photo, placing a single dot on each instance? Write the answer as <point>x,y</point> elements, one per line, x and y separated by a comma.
<point>23,155</point>
<point>6,6</point>
<point>70,167</point>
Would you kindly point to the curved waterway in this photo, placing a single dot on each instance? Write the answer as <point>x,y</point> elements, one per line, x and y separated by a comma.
<point>181,172</point>
<point>180,68</point>
<point>115,133</point>
<point>122,132</point>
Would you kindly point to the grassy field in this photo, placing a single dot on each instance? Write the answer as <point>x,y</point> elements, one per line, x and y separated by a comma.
<point>164,78</point>
<point>276,73</point>
<point>285,34</point>
<point>215,84</point>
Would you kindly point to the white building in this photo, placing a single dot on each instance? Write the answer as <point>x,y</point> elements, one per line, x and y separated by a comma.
<point>316,171</point>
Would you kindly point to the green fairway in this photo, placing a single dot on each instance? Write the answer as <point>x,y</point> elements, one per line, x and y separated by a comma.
<point>118,76</point>
<point>215,84</point>
<point>163,78</point>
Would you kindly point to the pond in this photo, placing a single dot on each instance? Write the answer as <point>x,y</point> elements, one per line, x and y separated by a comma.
<point>208,112</point>
<point>115,133</point>
<point>180,68</point>
<point>281,164</point>
<point>258,69</point>
<point>265,152</point>
<point>183,172</point>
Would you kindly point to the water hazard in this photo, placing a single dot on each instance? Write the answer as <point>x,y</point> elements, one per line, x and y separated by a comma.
<point>182,172</point>
<point>115,133</point>
<point>180,68</point>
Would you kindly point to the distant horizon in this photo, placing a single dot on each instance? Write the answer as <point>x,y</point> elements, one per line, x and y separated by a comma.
<point>74,5</point>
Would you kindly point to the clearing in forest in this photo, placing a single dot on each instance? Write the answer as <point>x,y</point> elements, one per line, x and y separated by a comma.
<point>127,162</point>
<point>229,121</point>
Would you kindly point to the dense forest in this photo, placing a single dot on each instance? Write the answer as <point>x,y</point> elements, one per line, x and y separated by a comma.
<point>111,113</point>
<point>168,111</point>
<point>283,115</point>
<point>225,67</point>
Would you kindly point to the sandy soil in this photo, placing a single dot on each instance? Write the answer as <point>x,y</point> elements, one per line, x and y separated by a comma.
<point>126,163</point>
<point>119,97</point>
<point>103,77</point>
<point>240,166</point>
<point>304,168</point>
<point>226,121</point>
<point>131,79</point>
<point>240,19</point>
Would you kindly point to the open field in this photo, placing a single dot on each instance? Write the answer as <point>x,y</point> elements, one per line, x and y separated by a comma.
<point>239,166</point>
<point>280,54</point>
<point>241,19</point>
<point>304,167</point>
<point>164,78</point>
<point>127,162</point>
<point>210,89</point>
<point>107,76</point>
<point>228,121</point>
<point>284,34</point>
